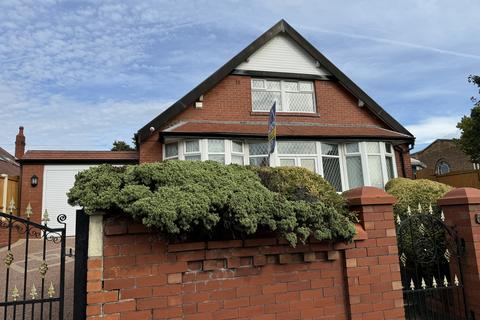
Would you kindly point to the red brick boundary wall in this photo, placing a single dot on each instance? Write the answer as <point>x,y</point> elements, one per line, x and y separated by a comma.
<point>461,207</point>
<point>140,276</point>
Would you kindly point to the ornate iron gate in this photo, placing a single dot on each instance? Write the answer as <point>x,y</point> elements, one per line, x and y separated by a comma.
<point>30,291</point>
<point>431,255</point>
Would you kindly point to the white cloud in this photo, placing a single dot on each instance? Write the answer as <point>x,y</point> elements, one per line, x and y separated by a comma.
<point>438,127</point>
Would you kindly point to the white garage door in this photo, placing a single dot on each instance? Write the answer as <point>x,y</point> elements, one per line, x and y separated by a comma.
<point>58,179</point>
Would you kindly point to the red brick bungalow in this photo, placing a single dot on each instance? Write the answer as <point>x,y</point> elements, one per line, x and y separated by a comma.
<point>325,122</point>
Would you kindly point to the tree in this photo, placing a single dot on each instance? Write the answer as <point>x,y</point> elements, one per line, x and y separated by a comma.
<point>469,140</point>
<point>121,146</point>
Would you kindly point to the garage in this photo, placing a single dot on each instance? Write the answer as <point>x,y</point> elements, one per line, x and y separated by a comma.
<point>58,179</point>
<point>48,175</point>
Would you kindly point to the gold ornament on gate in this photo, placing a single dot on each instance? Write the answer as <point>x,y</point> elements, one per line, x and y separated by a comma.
<point>8,259</point>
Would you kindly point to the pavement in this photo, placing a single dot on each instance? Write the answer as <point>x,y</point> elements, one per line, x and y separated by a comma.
<point>52,277</point>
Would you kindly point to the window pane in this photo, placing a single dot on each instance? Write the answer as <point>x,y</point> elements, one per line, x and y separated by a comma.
<point>258,84</point>
<point>329,149</point>
<point>273,85</point>
<point>171,150</point>
<point>306,86</point>
<point>390,171</point>
<point>287,162</point>
<point>354,171</point>
<point>263,100</point>
<point>192,146</point>
<point>259,161</point>
<point>237,159</point>
<point>216,145</point>
<point>258,148</point>
<point>373,147</point>
<point>352,148</point>
<point>192,158</point>
<point>331,172</point>
<point>237,146</point>
<point>290,86</point>
<point>308,164</point>
<point>297,147</point>
<point>217,157</point>
<point>300,102</point>
<point>375,170</point>
<point>388,148</point>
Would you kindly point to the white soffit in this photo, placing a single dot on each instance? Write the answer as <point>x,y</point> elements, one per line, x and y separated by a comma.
<point>282,54</point>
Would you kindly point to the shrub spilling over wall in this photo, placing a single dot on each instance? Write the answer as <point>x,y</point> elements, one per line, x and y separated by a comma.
<point>198,200</point>
<point>411,193</point>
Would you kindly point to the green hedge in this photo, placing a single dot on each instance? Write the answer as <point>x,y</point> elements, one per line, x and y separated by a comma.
<point>411,193</point>
<point>193,199</point>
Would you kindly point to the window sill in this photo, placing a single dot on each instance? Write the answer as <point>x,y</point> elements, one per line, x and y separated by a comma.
<point>286,114</point>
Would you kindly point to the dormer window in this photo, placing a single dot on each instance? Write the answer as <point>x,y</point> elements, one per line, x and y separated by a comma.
<point>290,95</point>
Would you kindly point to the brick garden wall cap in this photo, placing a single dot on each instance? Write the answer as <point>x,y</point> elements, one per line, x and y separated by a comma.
<point>460,196</point>
<point>368,196</point>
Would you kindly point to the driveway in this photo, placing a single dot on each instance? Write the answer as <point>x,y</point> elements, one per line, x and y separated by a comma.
<point>17,275</point>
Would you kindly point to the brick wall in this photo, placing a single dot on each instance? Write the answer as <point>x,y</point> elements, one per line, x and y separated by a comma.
<point>29,194</point>
<point>150,150</point>
<point>140,276</point>
<point>462,210</point>
<point>231,99</point>
<point>404,169</point>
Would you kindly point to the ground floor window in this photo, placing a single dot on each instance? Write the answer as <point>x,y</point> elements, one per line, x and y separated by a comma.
<point>345,165</point>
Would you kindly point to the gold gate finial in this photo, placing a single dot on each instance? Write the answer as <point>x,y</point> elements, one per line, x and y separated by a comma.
<point>28,211</point>
<point>15,294</point>
<point>33,292</point>
<point>51,290</point>
<point>11,206</point>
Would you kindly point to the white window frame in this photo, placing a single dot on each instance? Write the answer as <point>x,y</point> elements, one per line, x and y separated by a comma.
<point>276,157</point>
<point>283,94</point>
<point>297,157</point>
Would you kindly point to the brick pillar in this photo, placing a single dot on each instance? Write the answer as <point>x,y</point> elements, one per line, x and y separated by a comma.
<point>461,208</point>
<point>372,265</point>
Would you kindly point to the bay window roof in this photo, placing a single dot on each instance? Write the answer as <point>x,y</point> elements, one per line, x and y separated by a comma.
<point>285,129</point>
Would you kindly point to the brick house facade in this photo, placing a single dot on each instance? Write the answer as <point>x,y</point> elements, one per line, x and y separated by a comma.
<point>444,155</point>
<point>324,121</point>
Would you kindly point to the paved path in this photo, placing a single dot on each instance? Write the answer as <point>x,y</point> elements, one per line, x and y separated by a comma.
<point>35,258</point>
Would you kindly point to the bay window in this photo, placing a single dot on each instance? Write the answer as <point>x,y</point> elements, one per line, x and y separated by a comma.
<point>289,95</point>
<point>345,165</point>
<point>216,150</point>
<point>331,165</point>
<point>353,161</point>
<point>258,152</point>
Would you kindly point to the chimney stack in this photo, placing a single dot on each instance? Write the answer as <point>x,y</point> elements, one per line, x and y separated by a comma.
<point>19,144</point>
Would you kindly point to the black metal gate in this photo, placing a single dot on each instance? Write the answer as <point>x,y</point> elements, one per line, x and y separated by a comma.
<point>431,255</point>
<point>29,290</point>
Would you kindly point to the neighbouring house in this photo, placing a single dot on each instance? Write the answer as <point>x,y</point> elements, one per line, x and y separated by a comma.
<point>443,156</point>
<point>445,162</point>
<point>47,175</point>
<point>8,164</point>
<point>325,123</point>
<point>9,176</point>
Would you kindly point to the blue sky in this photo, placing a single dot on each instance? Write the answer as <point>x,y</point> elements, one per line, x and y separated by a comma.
<point>80,74</point>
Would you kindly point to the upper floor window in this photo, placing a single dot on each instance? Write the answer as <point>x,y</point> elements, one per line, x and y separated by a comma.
<point>290,95</point>
<point>442,167</point>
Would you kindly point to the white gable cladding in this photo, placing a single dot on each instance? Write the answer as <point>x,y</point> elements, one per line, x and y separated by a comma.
<point>282,54</point>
